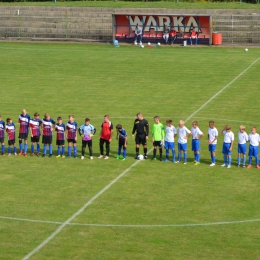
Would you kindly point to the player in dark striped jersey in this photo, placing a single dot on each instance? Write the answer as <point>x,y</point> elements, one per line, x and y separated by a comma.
<point>141,128</point>
<point>10,129</point>
<point>60,140</point>
<point>71,128</point>
<point>23,120</point>
<point>2,135</point>
<point>47,128</point>
<point>34,125</point>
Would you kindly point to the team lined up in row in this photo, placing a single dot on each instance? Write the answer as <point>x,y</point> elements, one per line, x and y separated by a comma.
<point>161,137</point>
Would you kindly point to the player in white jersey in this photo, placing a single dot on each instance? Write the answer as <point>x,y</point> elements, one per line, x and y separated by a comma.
<point>184,134</point>
<point>241,149</point>
<point>196,135</point>
<point>227,145</point>
<point>212,141</point>
<point>254,140</point>
<point>169,140</point>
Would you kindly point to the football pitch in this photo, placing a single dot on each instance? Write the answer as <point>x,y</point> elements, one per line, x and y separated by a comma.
<point>108,209</point>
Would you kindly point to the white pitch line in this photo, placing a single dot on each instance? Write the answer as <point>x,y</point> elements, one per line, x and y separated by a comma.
<point>237,77</point>
<point>57,231</point>
<point>135,225</point>
<point>47,240</point>
<point>31,220</point>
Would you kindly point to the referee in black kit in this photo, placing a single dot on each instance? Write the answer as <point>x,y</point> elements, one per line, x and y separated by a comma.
<point>141,127</point>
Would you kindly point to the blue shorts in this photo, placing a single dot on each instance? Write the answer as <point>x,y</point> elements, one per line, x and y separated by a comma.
<point>169,145</point>
<point>241,148</point>
<point>225,148</point>
<point>212,148</point>
<point>182,147</point>
<point>253,150</point>
<point>195,145</point>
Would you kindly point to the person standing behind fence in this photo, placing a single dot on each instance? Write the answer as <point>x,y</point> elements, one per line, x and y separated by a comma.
<point>138,33</point>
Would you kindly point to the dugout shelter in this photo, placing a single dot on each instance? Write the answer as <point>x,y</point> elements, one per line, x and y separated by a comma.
<point>123,26</point>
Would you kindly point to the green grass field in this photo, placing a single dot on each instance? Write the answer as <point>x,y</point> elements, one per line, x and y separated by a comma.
<point>129,4</point>
<point>156,210</point>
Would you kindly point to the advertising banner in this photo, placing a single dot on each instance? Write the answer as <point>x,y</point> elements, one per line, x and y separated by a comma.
<point>153,26</point>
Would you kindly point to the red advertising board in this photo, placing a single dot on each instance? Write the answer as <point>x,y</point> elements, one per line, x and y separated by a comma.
<point>153,25</point>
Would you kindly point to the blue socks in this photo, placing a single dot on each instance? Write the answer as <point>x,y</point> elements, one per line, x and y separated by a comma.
<point>173,155</point>
<point>250,160</point>
<point>244,160</point>
<point>9,149</point>
<point>50,147</point>
<point>32,148</point>
<point>44,149</point>
<point>69,151</point>
<point>238,160</point>
<point>119,151</point>
<point>185,156</point>
<point>229,160</point>
<point>58,150</point>
<point>38,148</point>
<point>124,153</point>
<point>3,148</point>
<point>21,147</point>
<point>75,151</point>
<point>213,158</point>
<point>25,147</point>
<point>225,159</point>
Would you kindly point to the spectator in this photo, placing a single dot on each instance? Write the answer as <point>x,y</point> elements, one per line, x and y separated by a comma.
<point>173,36</point>
<point>193,36</point>
<point>138,32</point>
<point>166,32</point>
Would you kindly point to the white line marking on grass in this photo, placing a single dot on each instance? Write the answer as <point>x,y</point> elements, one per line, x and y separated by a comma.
<point>67,222</point>
<point>64,224</point>
<point>237,77</point>
<point>135,225</point>
<point>32,220</point>
<point>168,225</point>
